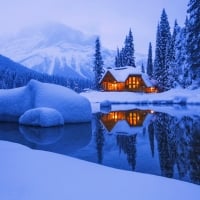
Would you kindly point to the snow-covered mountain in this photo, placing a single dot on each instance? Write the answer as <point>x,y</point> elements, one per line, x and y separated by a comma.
<point>55,48</point>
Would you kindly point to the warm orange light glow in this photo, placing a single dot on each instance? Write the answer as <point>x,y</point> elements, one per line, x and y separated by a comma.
<point>133,118</point>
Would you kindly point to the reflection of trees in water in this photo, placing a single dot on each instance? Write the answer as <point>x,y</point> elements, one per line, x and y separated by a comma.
<point>166,145</point>
<point>194,154</point>
<point>151,137</point>
<point>178,145</point>
<point>99,137</point>
<point>126,144</point>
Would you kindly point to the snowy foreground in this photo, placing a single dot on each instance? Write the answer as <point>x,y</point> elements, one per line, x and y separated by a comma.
<point>43,104</point>
<point>174,96</point>
<point>37,175</point>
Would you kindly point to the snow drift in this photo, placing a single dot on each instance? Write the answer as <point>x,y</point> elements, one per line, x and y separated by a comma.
<point>72,107</point>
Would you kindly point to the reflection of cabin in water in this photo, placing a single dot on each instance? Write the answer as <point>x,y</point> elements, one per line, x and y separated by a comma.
<point>127,122</point>
<point>127,79</point>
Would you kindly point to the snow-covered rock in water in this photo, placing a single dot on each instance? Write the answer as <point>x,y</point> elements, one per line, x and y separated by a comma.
<point>105,103</point>
<point>43,117</point>
<point>14,102</point>
<point>72,106</point>
<point>105,106</point>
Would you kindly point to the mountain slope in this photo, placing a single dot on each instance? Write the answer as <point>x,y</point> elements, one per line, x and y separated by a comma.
<point>54,48</point>
<point>14,75</point>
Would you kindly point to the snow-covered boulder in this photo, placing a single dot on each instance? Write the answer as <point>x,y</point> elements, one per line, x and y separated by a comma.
<point>14,102</point>
<point>105,106</point>
<point>105,103</point>
<point>44,117</point>
<point>72,106</point>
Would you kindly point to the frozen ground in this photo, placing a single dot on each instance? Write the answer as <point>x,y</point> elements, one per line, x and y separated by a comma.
<point>38,175</point>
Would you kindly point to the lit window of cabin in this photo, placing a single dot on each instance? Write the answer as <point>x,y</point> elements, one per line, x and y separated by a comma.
<point>134,82</point>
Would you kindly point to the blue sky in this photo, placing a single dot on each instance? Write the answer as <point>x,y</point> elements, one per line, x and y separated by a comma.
<point>111,19</point>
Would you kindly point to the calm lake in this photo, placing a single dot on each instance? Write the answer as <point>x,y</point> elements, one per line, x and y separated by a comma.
<point>164,141</point>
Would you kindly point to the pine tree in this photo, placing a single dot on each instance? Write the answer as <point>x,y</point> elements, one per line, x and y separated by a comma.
<point>150,61</point>
<point>184,77</point>
<point>142,68</point>
<point>117,59</point>
<point>172,70</point>
<point>125,52</point>
<point>157,65</point>
<point>122,58</point>
<point>163,36</point>
<point>98,65</point>
<point>193,39</point>
<point>129,50</point>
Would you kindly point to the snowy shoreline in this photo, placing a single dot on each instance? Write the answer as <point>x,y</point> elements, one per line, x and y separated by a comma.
<point>44,175</point>
<point>171,97</point>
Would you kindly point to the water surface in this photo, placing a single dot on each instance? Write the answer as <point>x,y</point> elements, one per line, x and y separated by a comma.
<point>143,140</point>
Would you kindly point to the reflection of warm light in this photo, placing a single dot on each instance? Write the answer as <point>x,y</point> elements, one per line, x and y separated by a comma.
<point>113,115</point>
<point>133,117</point>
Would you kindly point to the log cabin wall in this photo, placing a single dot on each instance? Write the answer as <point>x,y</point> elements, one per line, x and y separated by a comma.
<point>109,83</point>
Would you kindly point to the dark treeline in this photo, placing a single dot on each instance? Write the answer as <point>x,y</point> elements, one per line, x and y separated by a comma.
<point>14,75</point>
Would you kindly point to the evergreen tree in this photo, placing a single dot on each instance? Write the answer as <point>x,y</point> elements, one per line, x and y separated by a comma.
<point>156,68</point>
<point>142,68</point>
<point>170,64</point>
<point>122,58</point>
<point>193,39</point>
<point>150,61</point>
<point>117,59</point>
<point>129,50</point>
<point>125,57</point>
<point>185,76</point>
<point>163,37</point>
<point>98,65</point>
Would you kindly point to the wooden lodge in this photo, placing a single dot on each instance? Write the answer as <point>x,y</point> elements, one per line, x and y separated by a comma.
<point>127,79</point>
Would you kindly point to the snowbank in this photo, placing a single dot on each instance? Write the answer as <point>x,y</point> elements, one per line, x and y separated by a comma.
<point>72,106</point>
<point>174,96</point>
<point>42,175</point>
<point>14,102</point>
<point>43,117</point>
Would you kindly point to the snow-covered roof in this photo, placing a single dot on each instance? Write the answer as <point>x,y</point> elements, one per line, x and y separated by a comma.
<point>121,74</point>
